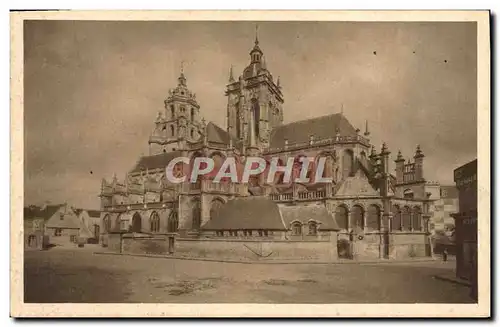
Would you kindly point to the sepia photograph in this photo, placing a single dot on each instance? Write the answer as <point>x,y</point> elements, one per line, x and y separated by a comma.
<point>182,159</point>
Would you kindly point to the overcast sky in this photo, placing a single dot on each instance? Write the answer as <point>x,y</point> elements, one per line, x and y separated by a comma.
<point>93,89</point>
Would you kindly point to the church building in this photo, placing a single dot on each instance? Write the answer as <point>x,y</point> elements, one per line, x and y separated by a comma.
<point>366,211</point>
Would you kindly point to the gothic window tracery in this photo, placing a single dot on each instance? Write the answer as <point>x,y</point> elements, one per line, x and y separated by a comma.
<point>154,222</point>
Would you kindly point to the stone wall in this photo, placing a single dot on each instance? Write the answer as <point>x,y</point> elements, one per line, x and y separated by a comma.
<point>235,249</point>
<point>157,244</point>
<point>402,246</point>
<point>408,245</point>
<point>113,242</point>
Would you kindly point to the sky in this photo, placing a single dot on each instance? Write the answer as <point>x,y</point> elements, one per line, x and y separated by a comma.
<point>92,89</point>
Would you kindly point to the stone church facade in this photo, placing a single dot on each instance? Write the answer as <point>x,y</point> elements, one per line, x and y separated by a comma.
<point>369,210</point>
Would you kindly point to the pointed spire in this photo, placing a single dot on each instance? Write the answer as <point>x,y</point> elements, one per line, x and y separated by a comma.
<point>278,83</point>
<point>418,152</point>
<point>399,158</point>
<point>367,132</point>
<point>342,108</point>
<point>231,77</point>
<point>182,78</point>
<point>384,150</point>
<point>256,34</point>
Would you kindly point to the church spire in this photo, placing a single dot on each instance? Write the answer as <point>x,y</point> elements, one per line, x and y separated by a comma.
<point>231,77</point>
<point>256,34</point>
<point>256,53</point>
<point>182,78</point>
<point>367,132</point>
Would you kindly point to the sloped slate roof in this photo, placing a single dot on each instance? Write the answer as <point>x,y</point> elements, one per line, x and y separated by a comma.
<point>217,134</point>
<point>254,212</point>
<point>304,213</point>
<point>157,161</point>
<point>45,213</point>
<point>321,127</point>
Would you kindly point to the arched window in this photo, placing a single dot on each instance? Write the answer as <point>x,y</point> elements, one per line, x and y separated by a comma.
<point>192,133</point>
<point>192,114</point>
<point>196,212</point>
<point>357,221</point>
<point>172,111</point>
<point>296,228</point>
<point>417,218</point>
<point>406,217</point>
<point>341,217</point>
<point>173,222</point>
<point>373,217</point>
<point>136,223</point>
<point>215,207</point>
<point>154,222</point>
<point>313,228</point>
<point>172,130</point>
<point>396,218</point>
<point>106,224</point>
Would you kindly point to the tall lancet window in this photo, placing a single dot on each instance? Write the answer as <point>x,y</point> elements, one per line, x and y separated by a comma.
<point>256,115</point>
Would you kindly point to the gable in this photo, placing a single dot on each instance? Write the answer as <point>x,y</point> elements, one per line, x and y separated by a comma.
<point>357,185</point>
<point>70,220</point>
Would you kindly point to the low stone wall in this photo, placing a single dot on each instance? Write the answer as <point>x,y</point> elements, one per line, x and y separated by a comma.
<point>145,244</point>
<point>138,243</point>
<point>113,242</point>
<point>235,249</point>
<point>402,246</point>
<point>408,245</point>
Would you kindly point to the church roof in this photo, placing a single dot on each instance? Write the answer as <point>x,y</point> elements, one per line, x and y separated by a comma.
<point>320,127</point>
<point>254,212</point>
<point>154,162</point>
<point>304,213</point>
<point>216,134</point>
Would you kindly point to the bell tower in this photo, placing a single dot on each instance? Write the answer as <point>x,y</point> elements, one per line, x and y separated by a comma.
<point>180,121</point>
<point>254,101</point>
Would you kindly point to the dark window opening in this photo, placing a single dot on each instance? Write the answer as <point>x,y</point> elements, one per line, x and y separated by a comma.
<point>313,228</point>
<point>57,232</point>
<point>297,228</point>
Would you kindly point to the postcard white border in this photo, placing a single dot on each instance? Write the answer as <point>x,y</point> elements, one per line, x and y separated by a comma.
<point>20,309</point>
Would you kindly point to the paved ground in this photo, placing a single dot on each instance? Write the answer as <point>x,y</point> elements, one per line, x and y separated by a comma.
<point>78,275</point>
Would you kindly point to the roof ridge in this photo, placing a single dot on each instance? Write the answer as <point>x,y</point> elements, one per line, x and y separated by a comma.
<point>309,119</point>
